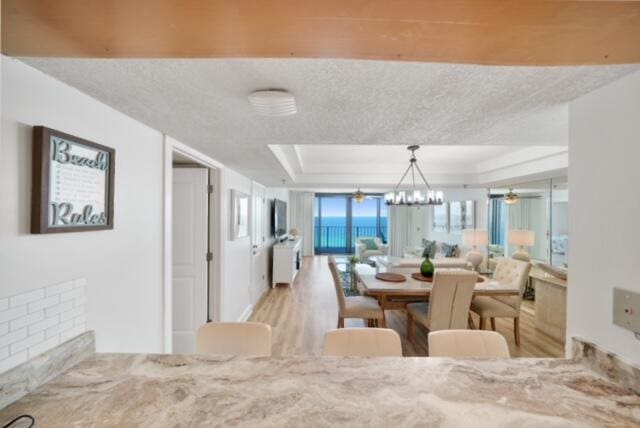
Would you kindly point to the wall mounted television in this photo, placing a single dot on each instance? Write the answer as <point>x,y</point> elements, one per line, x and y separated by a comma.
<point>279,218</point>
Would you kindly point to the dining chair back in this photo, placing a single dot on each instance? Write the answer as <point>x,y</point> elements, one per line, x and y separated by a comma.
<point>362,342</point>
<point>450,299</point>
<point>515,273</point>
<point>467,344</point>
<point>337,282</point>
<point>234,338</point>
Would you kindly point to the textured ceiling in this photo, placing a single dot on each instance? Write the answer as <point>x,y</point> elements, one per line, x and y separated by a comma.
<point>203,103</point>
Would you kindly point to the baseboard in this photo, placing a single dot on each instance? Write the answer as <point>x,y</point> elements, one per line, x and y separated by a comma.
<point>246,314</point>
<point>26,377</point>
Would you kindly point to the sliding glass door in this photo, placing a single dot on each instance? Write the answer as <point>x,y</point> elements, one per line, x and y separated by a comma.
<point>340,220</point>
<point>331,224</point>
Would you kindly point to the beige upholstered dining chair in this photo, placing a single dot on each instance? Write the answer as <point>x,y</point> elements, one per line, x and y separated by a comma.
<point>234,338</point>
<point>354,306</point>
<point>362,342</point>
<point>448,306</point>
<point>467,344</point>
<point>512,272</point>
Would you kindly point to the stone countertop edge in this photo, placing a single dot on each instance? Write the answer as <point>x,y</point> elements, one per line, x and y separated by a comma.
<point>27,377</point>
<point>19,381</point>
<point>607,364</point>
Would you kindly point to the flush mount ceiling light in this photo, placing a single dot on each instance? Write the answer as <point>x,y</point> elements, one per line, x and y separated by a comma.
<point>273,102</point>
<point>415,195</point>
<point>511,198</point>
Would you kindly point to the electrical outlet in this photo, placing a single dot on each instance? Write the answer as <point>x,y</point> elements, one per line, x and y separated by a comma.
<point>626,309</point>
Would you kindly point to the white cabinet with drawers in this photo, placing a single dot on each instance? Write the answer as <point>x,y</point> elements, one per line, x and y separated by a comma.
<point>286,261</point>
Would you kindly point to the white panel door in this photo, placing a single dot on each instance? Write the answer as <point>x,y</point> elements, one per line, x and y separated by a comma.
<point>189,237</point>
<point>258,238</point>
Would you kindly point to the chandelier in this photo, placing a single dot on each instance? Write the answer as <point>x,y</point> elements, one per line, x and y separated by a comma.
<point>511,198</point>
<point>359,196</point>
<point>414,196</point>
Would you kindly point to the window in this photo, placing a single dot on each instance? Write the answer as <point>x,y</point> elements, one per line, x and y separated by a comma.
<point>339,220</point>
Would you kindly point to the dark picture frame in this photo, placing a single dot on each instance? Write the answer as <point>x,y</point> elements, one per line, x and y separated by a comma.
<point>41,204</point>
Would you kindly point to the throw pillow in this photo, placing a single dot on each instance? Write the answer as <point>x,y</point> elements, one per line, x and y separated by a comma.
<point>429,248</point>
<point>369,243</point>
<point>449,250</point>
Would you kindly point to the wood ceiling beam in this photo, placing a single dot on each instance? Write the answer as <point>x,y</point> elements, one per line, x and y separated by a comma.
<point>524,32</point>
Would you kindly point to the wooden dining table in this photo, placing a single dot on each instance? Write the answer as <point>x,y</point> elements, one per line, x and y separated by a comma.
<point>396,295</point>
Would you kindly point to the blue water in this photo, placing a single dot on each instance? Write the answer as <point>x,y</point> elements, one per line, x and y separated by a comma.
<point>331,232</point>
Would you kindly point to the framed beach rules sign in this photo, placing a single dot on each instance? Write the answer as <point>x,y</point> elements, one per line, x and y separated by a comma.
<point>73,183</point>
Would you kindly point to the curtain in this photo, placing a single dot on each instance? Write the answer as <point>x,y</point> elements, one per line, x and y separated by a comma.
<point>530,213</point>
<point>399,218</point>
<point>497,222</point>
<point>301,211</point>
<point>520,214</point>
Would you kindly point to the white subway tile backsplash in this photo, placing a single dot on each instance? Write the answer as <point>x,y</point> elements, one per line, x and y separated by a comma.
<point>68,334</point>
<point>72,313</point>
<point>44,303</point>
<point>26,343</point>
<point>13,313</point>
<point>58,328</point>
<point>44,324</point>
<point>54,310</point>
<point>70,295</point>
<point>43,346</point>
<point>24,298</point>
<point>26,320</point>
<point>38,320</point>
<point>12,337</point>
<point>79,320</point>
<point>59,288</point>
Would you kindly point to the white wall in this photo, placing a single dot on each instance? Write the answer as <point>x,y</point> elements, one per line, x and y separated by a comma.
<point>123,266</point>
<point>604,151</point>
<point>236,272</point>
<point>478,195</point>
<point>237,264</point>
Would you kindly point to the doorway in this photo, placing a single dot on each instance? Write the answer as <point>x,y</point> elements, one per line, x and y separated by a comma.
<point>192,245</point>
<point>190,231</point>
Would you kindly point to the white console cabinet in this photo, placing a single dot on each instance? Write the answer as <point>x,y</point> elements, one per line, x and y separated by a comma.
<point>286,261</point>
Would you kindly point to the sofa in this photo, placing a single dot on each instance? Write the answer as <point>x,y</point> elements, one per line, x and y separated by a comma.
<point>458,260</point>
<point>364,252</point>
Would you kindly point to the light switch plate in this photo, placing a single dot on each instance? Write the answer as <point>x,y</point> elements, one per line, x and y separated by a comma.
<point>626,309</point>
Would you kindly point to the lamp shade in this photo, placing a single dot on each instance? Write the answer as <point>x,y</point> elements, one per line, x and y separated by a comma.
<point>525,238</point>
<point>475,237</point>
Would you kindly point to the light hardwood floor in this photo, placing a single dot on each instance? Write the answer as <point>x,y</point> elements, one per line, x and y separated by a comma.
<point>301,314</point>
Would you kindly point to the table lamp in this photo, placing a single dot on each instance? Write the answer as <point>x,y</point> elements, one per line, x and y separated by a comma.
<point>522,238</point>
<point>475,238</point>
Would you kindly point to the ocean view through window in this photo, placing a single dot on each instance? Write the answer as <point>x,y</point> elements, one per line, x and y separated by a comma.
<point>339,220</point>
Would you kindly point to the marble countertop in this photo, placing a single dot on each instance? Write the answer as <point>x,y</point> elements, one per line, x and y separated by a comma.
<point>548,278</point>
<point>122,390</point>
